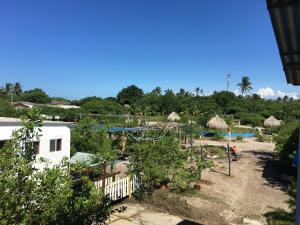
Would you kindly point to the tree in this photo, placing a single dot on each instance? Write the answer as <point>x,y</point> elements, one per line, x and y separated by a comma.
<point>256,97</point>
<point>164,162</point>
<point>36,96</point>
<point>6,109</point>
<point>88,99</point>
<point>50,196</point>
<point>197,90</point>
<point>130,95</point>
<point>157,91</point>
<point>89,137</point>
<point>8,88</point>
<point>181,92</point>
<point>103,107</point>
<point>285,98</point>
<point>18,89</point>
<point>287,143</point>
<point>245,85</point>
<point>201,92</point>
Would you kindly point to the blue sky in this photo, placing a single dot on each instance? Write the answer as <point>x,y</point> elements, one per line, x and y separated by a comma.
<point>77,48</point>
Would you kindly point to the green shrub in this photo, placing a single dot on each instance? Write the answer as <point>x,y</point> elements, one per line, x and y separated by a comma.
<point>292,194</point>
<point>218,136</point>
<point>287,144</point>
<point>240,138</point>
<point>263,138</point>
<point>215,150</point>
<point>250,119</point>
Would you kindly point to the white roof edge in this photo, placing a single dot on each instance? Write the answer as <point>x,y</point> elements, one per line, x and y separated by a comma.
<point>11,120</point>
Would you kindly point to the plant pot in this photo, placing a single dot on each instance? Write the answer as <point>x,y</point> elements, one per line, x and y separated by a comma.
<point>164,187</point>
<point>197,187</point>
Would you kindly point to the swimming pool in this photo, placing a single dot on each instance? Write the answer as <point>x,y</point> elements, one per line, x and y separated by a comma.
<point>241,135</point>
<point>212,134</point>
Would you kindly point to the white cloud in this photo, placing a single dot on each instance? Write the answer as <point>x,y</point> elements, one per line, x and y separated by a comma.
<point>236,92</point>
<point>269,93</point>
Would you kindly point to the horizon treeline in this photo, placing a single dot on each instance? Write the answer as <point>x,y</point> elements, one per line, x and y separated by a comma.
<point>249,109</point>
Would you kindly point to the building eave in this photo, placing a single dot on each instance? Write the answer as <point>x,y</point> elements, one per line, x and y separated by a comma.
<point>285,17</point>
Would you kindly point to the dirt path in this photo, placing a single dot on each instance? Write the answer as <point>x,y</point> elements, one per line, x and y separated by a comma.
<point>254,188</point>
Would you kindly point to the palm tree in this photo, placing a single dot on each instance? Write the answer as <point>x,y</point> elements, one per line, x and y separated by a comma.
<point>201,92</point>
<point>8,88</point>
<point>157,91</point>
<point>245,85</point>
<point>197,91</point>
<point>18,88</point>
<point>181,92</point>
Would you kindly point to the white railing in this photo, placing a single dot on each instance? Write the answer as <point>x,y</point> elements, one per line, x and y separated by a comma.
<point>120,188</point>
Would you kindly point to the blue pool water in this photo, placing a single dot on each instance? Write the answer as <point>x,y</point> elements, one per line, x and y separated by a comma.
<point>241,135</point>
<point>245,135</point>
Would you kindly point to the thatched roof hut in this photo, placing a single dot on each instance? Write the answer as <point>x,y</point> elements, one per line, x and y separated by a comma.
<point>173,116</point>
<point>217,123</point>
<point>272,122</point>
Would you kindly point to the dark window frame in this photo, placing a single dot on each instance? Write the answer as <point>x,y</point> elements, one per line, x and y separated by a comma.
<point>55,145</point>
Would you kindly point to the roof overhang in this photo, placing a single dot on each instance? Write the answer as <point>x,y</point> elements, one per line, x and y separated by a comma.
<point>285,17</point>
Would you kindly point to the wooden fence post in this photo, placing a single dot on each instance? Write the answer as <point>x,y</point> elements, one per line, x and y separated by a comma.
<point>129,186</point>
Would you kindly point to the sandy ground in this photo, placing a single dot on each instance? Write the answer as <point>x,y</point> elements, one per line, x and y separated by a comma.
<point>255,187</point>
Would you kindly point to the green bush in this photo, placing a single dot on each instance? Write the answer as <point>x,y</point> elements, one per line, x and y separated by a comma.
<point>263,138</point>
<point>287,144</point>
<point>253,119</point>
<point>240,138</point>
<point>218,136</point>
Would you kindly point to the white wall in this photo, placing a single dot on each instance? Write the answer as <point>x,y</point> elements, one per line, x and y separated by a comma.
<point>48,133</point>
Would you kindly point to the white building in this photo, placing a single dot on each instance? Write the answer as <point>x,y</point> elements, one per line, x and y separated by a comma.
<point>52,146</point>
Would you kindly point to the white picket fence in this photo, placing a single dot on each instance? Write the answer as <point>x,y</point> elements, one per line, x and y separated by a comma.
<point>120,188</point>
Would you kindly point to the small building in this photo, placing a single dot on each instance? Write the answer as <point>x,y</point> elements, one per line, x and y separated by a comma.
<point>66,106</point>
<point>173,117</point>
<point>52,146</point>
<point>23,105</point>
<point>29,105</point>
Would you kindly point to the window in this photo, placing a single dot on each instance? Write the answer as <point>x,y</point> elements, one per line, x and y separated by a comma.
<point>35,146</point>
<point>55,145</point>
<point>52,145</point>
<point>58,144</point>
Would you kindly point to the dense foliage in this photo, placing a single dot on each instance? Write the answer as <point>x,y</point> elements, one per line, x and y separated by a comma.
<point>286,148</point>
<point>250,109</point>
<point>88,136</point>
<point>48,197</point>
<point>36,96</point>
<point>130,95</point>
<point>163,162</point>
<point>287,144</point>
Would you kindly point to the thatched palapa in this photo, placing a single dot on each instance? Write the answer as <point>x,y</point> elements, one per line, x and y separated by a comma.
<point>173,117</point>
<point>272,122</point>
<point>217,123</point>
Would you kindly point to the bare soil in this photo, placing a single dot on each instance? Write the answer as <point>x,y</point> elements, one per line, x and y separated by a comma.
<point>255,187</point>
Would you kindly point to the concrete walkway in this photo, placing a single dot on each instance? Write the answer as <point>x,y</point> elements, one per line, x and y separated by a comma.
<point>136,214</point>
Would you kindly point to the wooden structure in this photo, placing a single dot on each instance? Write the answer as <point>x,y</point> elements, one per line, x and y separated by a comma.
<point>118,188</point>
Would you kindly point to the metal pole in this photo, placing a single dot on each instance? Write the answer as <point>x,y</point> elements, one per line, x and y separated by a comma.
<point>228,149</point>
<point>201,147</point>
<point>229,161</point>
<point>104,175</point>
<point>191,137</point>
<point>298,184</point>
<point>179,135</point>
